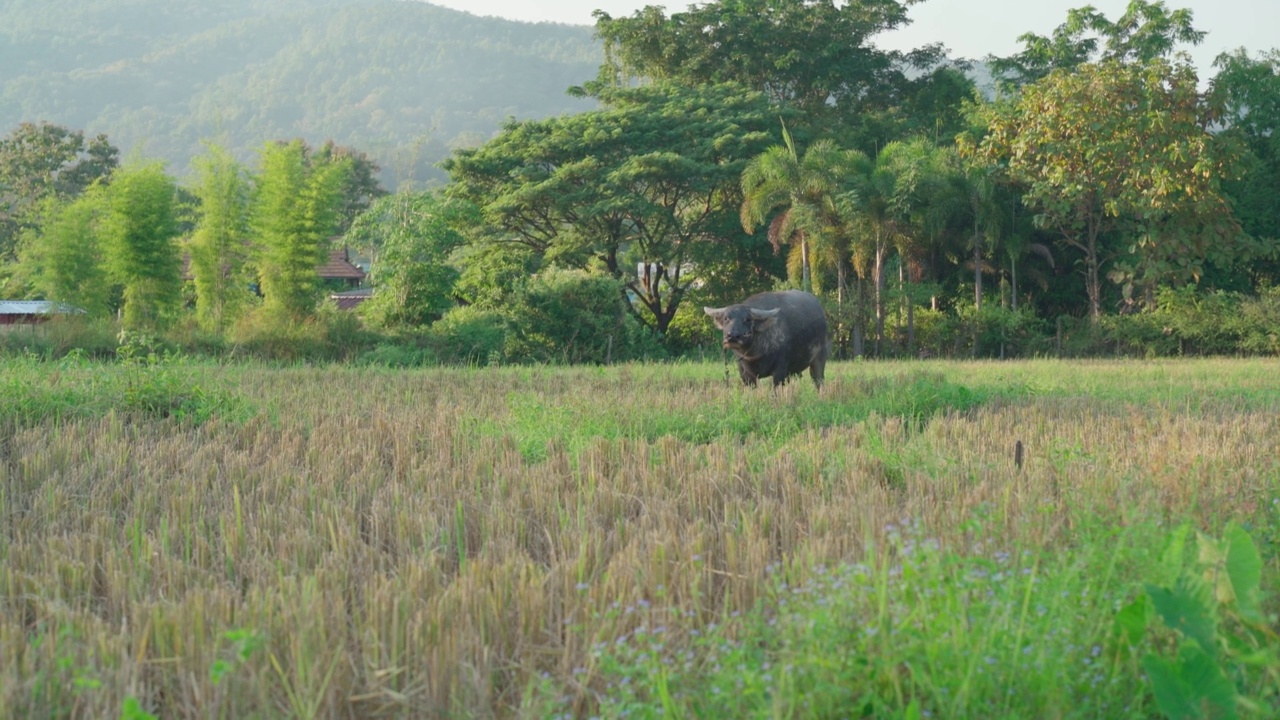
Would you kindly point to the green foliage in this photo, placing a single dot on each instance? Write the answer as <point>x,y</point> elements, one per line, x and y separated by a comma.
<point>43,161</point>
<point>219,245</point>
<point>360,187</point>
<point>1224,657</point>
<point>493,273</point>
<point>138,231</point>
<point>397,355</point>
<point>1185,322</point>
<point>1146,31</point>
<point>690,331</point>
<point>807,190</point>
<point>651,180</point>
<point>812,56</point>
<point>148,382</point>
<point>568,316</point>
<point>244,644</point>
<point>132,710</point>
<point>1246,93</point>
<point>1102,181</point>
<point>923,627</point>
<point>410,237</point>
<point>64,257</point>
<point>294,214</point>
<point>470,336</point>
<point>996,331</point>
<point>740,417</point>
<point>329,335</point>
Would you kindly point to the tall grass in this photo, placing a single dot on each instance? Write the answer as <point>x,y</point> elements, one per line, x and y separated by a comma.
<point>636,540</point>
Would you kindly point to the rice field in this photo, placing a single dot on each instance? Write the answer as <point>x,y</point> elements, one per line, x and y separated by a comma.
<point>1040,539</point>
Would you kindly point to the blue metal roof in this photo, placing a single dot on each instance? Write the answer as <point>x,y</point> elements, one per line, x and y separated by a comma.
<point>36,307</point>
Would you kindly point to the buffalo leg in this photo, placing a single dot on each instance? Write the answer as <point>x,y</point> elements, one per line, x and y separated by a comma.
<point>817,370</point>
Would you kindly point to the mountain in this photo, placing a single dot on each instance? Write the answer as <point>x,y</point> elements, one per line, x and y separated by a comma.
<point>402,80</point>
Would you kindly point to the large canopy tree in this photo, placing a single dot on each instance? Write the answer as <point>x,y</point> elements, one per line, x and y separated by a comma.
<point>1109,150</point>
<point>646,188</point>
<point>1246,97</point>
<point>817,56</point>
<point>1146,31</point>
<point>41,160</point>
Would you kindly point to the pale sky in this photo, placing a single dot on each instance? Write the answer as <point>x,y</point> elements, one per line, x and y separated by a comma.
<point>969,28</point>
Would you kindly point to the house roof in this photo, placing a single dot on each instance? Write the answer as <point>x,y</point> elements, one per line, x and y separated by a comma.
<point>36,307</point>
<point>350,299</point>
<point>339,267</point>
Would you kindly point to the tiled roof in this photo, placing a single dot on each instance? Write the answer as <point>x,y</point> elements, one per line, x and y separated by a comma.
<point>339,267</point>
<point>350,299</point>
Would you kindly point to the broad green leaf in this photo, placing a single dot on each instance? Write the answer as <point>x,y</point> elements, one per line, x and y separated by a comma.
<point>1172,697</point>
<point>1244,568</point>
<point>1186,608</point>
<point>1175,554</point>
<point>1210,688</point>
<point>1131,622</point>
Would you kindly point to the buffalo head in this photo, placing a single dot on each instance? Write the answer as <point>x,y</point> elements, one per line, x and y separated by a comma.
<point>740,324</point>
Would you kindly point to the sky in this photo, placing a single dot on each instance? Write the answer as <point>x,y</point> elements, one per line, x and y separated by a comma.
<point>969,28</point>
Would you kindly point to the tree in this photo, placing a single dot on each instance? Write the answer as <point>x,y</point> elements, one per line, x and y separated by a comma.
<point>645,189</point>
<point>63,254</point>
<point>139,229</point>
<point>1145,32</point>
<point>294,214</point>
<point>45,160</point>
<point>1111,148</point>
<point>806,189</point>
<point>817,57</point>
<point>360,187</point>
<point>220,243</point>
<point>1245,96</point>
<point>912,196</point>
<point>410,237</point>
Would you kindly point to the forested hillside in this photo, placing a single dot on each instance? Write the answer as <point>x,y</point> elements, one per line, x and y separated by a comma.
<point>404,81</point>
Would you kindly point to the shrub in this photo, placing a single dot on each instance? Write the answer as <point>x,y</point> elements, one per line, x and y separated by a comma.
<point>332,335</point>
<point>568,316</point>
<point>195,340</point>
<point>1261,319</point>
<point>91,337</point>
<point>691,330</point>
<point>468,335</point>
<point>395,355</point>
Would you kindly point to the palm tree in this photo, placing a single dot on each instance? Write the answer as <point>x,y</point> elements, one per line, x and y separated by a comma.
<point>807,189</point>
<point>892,201</point>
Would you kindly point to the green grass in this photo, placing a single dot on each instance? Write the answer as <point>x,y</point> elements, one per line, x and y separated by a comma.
<point>639,541</point>
<point>618,411</point>
<point>34,391</point>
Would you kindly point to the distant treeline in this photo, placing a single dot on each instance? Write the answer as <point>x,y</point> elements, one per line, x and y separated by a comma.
<point>1099,204</point>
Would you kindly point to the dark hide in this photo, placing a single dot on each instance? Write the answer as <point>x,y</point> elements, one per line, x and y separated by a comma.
<point>775,334</point>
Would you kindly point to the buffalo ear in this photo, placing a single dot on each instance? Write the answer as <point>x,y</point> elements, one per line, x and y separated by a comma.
<point>762,318</point>
<point>717,315</point>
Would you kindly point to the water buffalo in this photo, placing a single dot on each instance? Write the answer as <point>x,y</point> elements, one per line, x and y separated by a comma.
<point>775,334</point>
